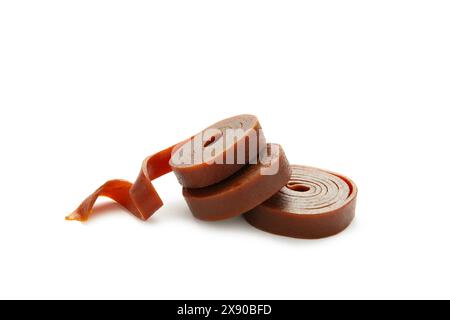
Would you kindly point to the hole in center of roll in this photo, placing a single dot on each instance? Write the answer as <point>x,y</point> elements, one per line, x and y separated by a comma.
<point>209,141</point>
<point>298,187</point>
<point>212,140</point>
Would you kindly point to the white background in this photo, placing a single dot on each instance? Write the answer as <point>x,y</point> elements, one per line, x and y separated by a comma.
<point>89,88</point>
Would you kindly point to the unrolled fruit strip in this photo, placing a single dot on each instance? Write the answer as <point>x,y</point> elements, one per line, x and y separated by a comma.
<point>140,198</point>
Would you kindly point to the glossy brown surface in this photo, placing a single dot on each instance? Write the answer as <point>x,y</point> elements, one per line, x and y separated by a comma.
<point>214,156</point>
<point>314,204</point>
<point>241,192</point>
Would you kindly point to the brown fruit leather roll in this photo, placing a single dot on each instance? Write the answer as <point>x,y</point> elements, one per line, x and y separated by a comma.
<point>141,198</point>
<point>314,204</point>
<point>243,191</point>
<point>217,154</point>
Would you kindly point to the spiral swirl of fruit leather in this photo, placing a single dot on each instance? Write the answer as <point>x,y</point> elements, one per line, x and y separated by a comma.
<point>314,204</point>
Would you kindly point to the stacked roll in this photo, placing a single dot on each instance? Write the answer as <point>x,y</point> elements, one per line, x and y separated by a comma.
<point>228,170</point>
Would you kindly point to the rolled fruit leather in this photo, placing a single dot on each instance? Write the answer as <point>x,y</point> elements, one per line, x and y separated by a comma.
<point>314,204</point>
<point>141,198</point>
<point>246,189</point>
<point>218,151</point>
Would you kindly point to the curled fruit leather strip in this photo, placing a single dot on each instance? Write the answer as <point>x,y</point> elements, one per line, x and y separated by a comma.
<point>314,204</point>
<point>211,156</point>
